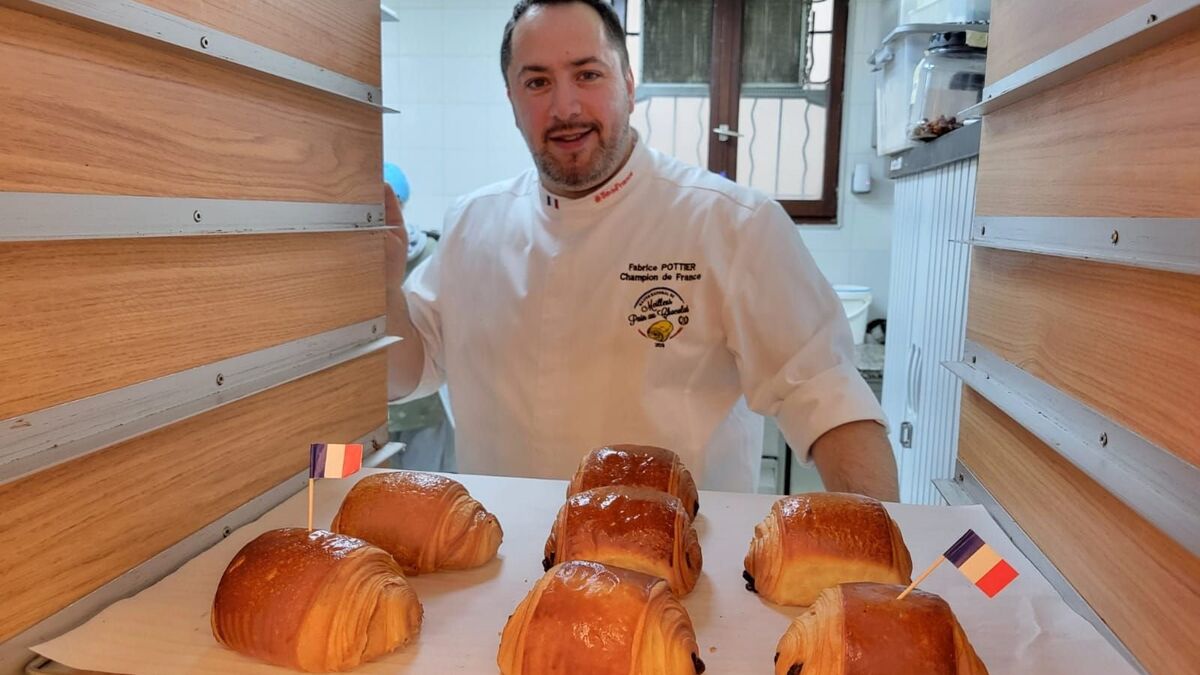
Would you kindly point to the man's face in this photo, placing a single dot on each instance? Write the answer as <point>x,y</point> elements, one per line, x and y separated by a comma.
<point>571,96</point>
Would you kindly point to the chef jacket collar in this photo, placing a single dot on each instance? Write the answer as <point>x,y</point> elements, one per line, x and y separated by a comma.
<point>636,168</point>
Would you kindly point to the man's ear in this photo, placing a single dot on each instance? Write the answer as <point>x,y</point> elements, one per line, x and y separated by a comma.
<point>630,88</point>
<point>512,106</point>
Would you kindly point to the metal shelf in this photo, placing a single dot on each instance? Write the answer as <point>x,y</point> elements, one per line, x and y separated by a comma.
<point>51,436</point>
<point>1153,23</point>
<point>960,144</point>
<point>1162,488</point>
<point>134,17</point>
<point>39,216</point>
<point>1171,244</point>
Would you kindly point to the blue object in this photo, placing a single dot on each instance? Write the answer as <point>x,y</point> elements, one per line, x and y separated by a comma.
<point>393,176</point>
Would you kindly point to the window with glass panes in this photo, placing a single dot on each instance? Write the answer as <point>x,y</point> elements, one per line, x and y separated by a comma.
<point>748,88</point>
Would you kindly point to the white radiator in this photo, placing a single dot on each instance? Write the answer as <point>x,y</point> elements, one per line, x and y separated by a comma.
<point>927,323</point>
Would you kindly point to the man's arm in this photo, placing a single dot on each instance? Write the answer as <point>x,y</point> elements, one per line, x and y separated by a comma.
<point>857,457</point>
<point>788,332</point>
<point>406,359</point>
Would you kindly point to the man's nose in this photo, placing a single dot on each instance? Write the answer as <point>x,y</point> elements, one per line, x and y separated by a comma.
<point>564,103</point>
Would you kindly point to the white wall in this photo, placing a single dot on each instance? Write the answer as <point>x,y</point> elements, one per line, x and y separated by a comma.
<point>456,133</point>
<point>857,250</point>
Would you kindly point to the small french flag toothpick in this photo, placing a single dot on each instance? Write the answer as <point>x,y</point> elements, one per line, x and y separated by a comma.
<point>980,564</point>
<point>977,561</point>
<point>331,460</point>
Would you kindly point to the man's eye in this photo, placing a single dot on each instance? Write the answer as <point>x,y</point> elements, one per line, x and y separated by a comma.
<point>589,75</point>
<point>536,83</point>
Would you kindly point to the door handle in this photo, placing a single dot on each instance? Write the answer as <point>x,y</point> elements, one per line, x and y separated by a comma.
<point>906,432</point>
<point>724,133</point>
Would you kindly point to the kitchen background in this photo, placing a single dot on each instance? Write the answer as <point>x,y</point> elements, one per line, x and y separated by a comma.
<point>455,133</point>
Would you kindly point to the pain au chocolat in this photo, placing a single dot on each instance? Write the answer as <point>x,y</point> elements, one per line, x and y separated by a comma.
<point>809,542</point>
<point>586,618</point>
<point>637,466</point>
<point>314,601</point>
<point>426,521</point>
<point>862,629</point>
<point>632,527</point>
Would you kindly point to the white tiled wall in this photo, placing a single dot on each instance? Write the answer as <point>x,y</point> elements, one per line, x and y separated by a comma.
<point>455,131</point>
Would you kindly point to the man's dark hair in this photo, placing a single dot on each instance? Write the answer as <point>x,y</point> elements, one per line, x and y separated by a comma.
<point>612,28</point>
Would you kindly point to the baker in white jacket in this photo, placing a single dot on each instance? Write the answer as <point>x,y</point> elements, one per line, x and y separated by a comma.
<point>617,295</point>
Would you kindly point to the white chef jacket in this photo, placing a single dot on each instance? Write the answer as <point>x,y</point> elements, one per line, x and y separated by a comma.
<point>661,309</point>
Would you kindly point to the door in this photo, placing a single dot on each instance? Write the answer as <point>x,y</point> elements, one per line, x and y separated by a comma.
<point>750,89</point>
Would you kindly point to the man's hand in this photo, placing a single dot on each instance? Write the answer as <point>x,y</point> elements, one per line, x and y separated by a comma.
<point>857,457</point>
<point>396,240</point>
<point>406,359</point>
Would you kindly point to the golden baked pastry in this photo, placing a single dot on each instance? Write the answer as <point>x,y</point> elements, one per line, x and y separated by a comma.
<point>585,618</point>
<point>427,522</point>
<point>632,527</point>
<point>862,629</point>
<point>314,601</point>
<point>639,466</point>
<point>809,542</point>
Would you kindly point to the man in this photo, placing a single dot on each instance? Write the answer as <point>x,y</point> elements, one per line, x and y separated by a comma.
<point>617,295</point>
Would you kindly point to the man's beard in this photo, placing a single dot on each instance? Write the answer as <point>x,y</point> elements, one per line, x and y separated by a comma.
<point>609,155</point>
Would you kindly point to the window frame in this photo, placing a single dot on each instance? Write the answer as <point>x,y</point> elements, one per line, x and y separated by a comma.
<point>725,90</point>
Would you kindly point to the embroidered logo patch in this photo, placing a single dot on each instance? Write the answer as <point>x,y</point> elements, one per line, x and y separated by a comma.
<point>660,314</point>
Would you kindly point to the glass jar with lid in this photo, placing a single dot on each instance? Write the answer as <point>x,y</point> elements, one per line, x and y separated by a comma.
<point>948,80</point>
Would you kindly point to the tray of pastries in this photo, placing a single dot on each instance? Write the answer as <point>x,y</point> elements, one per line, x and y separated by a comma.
<point>624,568</point>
